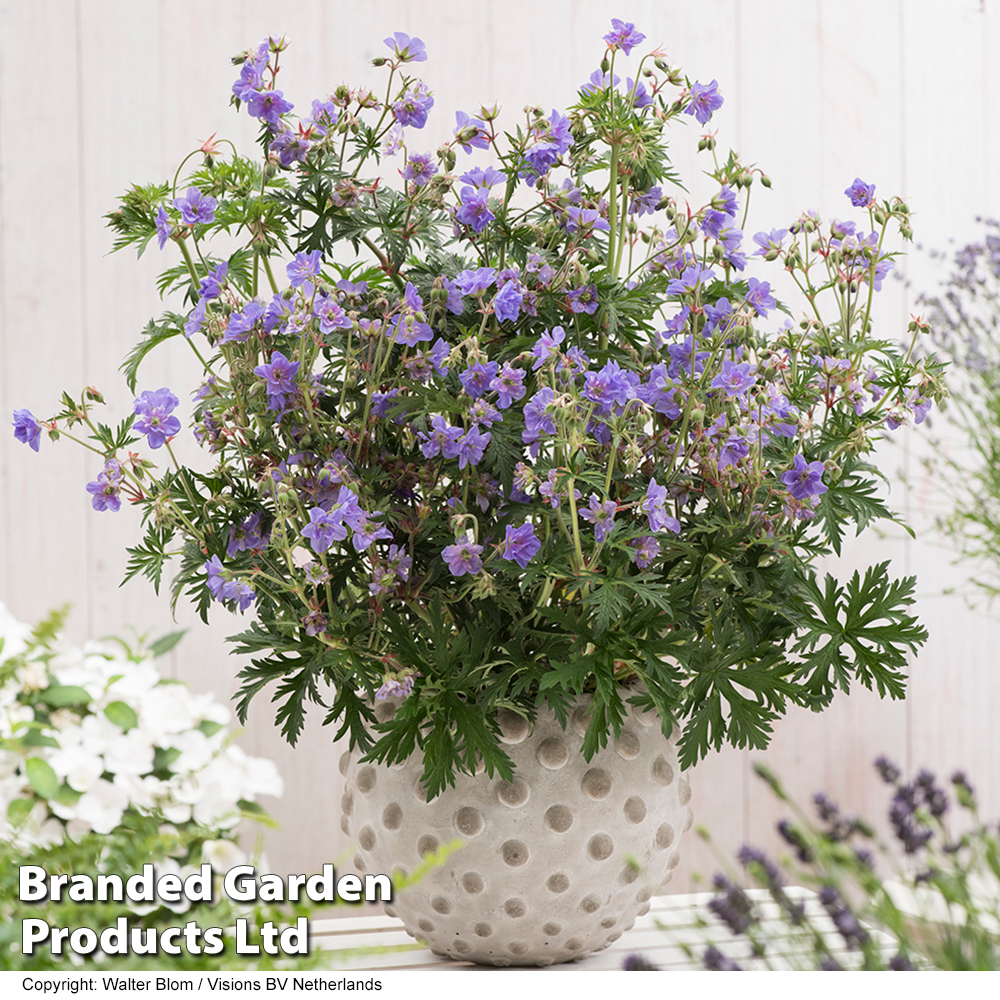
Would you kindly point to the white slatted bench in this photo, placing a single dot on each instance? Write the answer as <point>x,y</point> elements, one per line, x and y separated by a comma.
<point>672,935</point>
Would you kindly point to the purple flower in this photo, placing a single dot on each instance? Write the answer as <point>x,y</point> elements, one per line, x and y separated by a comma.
<point>862,195</point>
<point>323,117</point>
<point>164,227</point>
<point>419,169</point>
<point>223,586</point>
<point>442,440</point>
<point>471,132</point>
<point>304,267</point>
<point>509,383</point>
<point>153,410</point>
<point>769,244</point>
<point>735,378</point>
<point>507,304</point>
<point>646,204</point>
<point>623,36</point>
<point>242,323</point>
<point>552,139</point>
<point>315,622</point>
<point>654,507</point>
<point>520,544</point>
<point>608,387</point>
<point>324,528</point>
<point>105,491</point>
<point>476,378</point>
<point>644,550</point>
<point>268,105</point>
<point>584,220</point>
<point>601,516</point>
<point>546,346</point>
<point>693,276</point>
<point>279,377</point>
<point>471,447</point>
<point>759,296</point>
<point>195,207</point>
<point>475,282</point>
<point>474,210</point>
<point>583,299</point>
<point>805,480</point>
<point>483,177</point>
<point>330,314</point>
<point>246,536</point>
<point>407,49</point>
<point>412,107</point>
<point>463,557</point>
<point>705,98</point>
<point>27,429</point>
<point>211,284</point>
<point>290,147</point>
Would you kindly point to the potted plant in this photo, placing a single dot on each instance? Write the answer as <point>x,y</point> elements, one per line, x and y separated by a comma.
<point>518,460</point>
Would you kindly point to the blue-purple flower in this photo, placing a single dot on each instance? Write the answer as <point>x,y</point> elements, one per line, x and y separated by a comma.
<point>324,528</point>
<point>759,296</point>
<point>195,207</point>
<point>470,132</point>
<point>27,429</point>
<point>412,107</point>
<point>862,195</point>
<point>463,557</point>
<point>601,516</point>
<point>474,210</point>
<point>623,36</point>
<point>471,446</point>
<point>507,304</point>
<point>279,377</point>
<point>164,227</point>
<point>805,479</point>
<point>223,586</point>
<point>521,544</point>
<point>654,506</point>
<point>509,383</point>
<point>303,268</point>
<point>106,487</point>
<point>407,49</point>
<point>246,536</point>
<point>582,300</point>
<point>419,169</point>
<point>153,416</point>
<point>736,378</point>
<point>705,99</point>
<point>644,550</point>
<point>268,105</point>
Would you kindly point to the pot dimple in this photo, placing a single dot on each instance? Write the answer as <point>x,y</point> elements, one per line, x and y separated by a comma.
<point>553,864</point>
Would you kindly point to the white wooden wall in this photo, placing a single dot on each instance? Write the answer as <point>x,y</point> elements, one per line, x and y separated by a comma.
<point>98,94</point>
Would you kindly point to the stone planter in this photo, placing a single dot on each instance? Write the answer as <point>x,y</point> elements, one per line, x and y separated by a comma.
<point>555,865</point>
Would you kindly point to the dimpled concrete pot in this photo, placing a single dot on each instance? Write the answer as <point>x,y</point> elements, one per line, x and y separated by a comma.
<point>555,865</point>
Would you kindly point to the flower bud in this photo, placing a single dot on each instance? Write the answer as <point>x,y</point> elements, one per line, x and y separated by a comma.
<point>880,216</point>
<point>379,61</point>
<point>92,394</point>
<point>661,64</point>
<point>605,65</point>
<point>765,180</point>
<point>490,112</point>
<point>907,233</point>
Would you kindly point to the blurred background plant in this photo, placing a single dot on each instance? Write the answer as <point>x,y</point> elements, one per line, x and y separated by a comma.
<point>106,766</point>
<point>844,900</point>
<point>964,317</point>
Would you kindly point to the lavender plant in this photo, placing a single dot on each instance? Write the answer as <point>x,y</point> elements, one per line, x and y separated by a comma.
<point>503,433</point>
<point>939,910</point>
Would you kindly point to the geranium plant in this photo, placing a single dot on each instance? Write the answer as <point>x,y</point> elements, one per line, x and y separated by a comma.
<point>491,435</point>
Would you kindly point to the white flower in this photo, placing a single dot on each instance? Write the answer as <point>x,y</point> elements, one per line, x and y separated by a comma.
<point>222,855</point>
<point>102,806</point>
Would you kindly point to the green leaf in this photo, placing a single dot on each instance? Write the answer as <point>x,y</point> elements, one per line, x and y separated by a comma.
<point>210,728</point>
<point>166,643</point>
<point>17,811</point>
<point>41,777</point>
<point>63,695</point>
<point>122,715</point>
